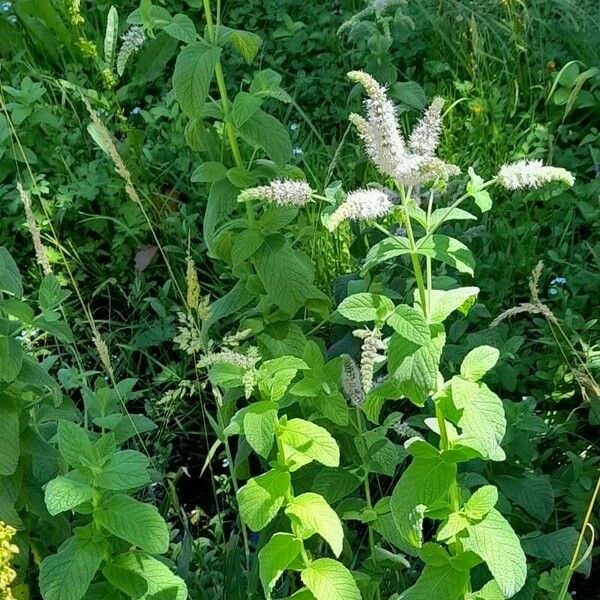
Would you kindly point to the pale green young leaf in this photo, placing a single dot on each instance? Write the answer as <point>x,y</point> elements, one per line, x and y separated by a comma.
<point>482,418</point>
<point>311,514</point>
<point>135,522</point>
<point>286,274</point>
<point>10,445</point>
<point>74,445</point>
<point>155,573</point>
<point>443,582</point>
<point>445,302</point>
<point>441,215</point>
<point>365,307</point>
<point>481,502</point>
<point>426,481</point>
<point>194,70</point>
<point>125,470</point>
<point>303,442</point>
<point>66,493</point>
<point>410,324</point>
<point>245,42</point>
<point>262,497</point>
<point>259,425</point>
<point>498,545</point>
<point>478,362</point>
<point>414,368</point>
<point>67,574</point>
<point>454,524</point>
<point>385,250</point>
<point>482,197</point>
<point>275,375</point>
<point>490,591</point>
<point>329,579</point>
<point>275,557</point>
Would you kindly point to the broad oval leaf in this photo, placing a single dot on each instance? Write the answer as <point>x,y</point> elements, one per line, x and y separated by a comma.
<point>365,307</point>
<point>329,579</point>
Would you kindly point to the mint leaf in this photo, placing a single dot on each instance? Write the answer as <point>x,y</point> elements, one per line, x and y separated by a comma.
<point>481,502</point>
<point>410,324</point>
<point>478,362</point>
<point>66,493</point>
<point>260,422</point>
<point>262,497</point>
<point>303,442</point>
<point>445,302</point>
<point>11,358</point>
<point>311,513</point>
<point>74,445</point>
<point>329,579</point>
<point>125,470</point>
<point>365,307</point>
<point>10,445</point>
<point>275,557</point>
<point>135,522</point>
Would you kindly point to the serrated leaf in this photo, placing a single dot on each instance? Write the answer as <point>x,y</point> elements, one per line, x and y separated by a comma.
<point>125,470</point>
<point>438,582</point>
<point>366,307</point>
<point>129,582</point>
<point>157,575</point>
<point>482,419</point>
<point>410,324</point>
<point>445,302</point>
<point>260,423</point>
<point>10,445</point>
<point>245,245</point>
<point>303,442</point>
<point>285,273</point>
<point>275,557</point>
<point>74,444</point>
<point>385,250</point>
<point>454,524</point>
<point>478,362</point>
<point>244,106</point>
<point>557,547</point>
<point>329,579</point>
<point>245,42</point>
<point>67,574</point>
<point>531,491</point>
<point>311,514</point>
<point>10,278</point>
<point>498,545</point>
<point>11,359</point>
<point>66,493</point>
<point>481,502</point>
<point>426,481</point>
<point>135,522</point>
<point>448,250</point>
<point>262,497</point>
<point>194,70</point>
<point>268,133</point>
<point>181,28</point>
<point>275,375</point>
<point>482,197</point>
<point>335,483</point>
<point>209,172</point>
<point>414,368</point>
<point>441,215</point>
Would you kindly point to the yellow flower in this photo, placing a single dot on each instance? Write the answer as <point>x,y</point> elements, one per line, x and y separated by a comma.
<point>7,552</point>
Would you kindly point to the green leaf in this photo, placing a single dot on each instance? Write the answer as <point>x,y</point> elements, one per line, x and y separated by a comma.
<point>448,250</point>
<point>66,493</point>
<point>410,324</point>
<point>275,557</point>
<point>245,245</point>
<point>268,133</point>
<point>438,582</point>
<point>481,502</point>
<point>209,172</point>
<point>222,199</point>
<point>482,418</point>
<point>378,396</point>
<point>11,358</point>
<point>478,362</point>
<point>414,368</point>
<point>335,483</point>
<point>181,28</point>
<point>67,574</point>
<point>262,497</point>
<point>530,491</point>
<point>50,294</point>
<point>74,444</point>
<point>365,307</point>
<point>156,574</point>
<point>10,445</point>
<point>426,481</point>
<point>125,470</point>
<point>409,93</point>
<point>441,215</point>
<point>245,42</point>
<point>329,579</point>
<point>194,70</point>
<point>482,197</point>
<point>129,582</point>
<point>275,375</point>
<point>386,250</point>
<point>135,522</point>
<point>490,591</point>
<point>445,302</point>
<point>454,524</point>
<point>244,106</point>
<point>260,422</point>
<point>10,278</point>
<point>285,273</point>
<point>110,38</point>
<point>303,442</point>
<point>310,513</point>
<point>265,83</point>
<point>497,544</point>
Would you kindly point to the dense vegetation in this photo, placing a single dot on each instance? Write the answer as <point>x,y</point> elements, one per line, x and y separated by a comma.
<point>299,299</point>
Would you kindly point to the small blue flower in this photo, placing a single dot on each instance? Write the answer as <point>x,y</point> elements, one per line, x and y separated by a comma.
<point>552,291</point>
<point>225,463</point>
<point>559,281</point>
<point>136,111</point>
<point>6,6</point>
<point>294,127</point>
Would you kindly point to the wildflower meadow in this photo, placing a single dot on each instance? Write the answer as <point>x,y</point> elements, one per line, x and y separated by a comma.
<point>299,300</point>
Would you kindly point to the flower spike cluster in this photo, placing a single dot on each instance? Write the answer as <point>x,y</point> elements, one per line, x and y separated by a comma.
<point>525,174</point>
<point>411,163</point>
<point>361,205</point>
<point>281,192</point>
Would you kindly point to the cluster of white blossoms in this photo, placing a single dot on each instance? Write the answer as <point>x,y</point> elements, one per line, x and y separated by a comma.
<point>351,382</point>
<point>372,344</point>
<point>133,39</point>
<point>280,192</point>
<point>247,362</point>
<point>410,163</point>
<point>361,204</point>
<point>525,174</point>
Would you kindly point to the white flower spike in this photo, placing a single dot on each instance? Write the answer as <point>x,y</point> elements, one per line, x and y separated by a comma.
<point>526,174</point>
